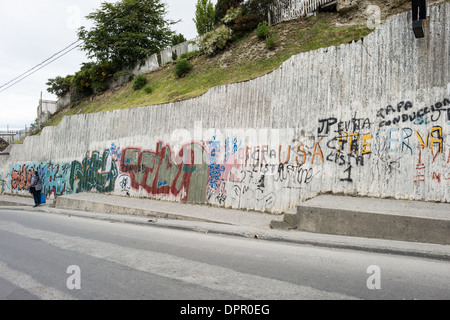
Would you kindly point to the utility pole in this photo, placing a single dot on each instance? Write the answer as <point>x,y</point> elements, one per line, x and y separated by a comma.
<point>39,112</point>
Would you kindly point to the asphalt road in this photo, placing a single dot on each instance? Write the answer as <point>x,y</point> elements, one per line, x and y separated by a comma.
<point>57,257</point>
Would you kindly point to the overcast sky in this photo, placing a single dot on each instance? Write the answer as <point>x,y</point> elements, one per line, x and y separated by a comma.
<point>31,31</point>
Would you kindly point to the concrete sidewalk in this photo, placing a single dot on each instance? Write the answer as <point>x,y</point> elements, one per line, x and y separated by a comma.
<point>390,219</point>
<point>209,219</point>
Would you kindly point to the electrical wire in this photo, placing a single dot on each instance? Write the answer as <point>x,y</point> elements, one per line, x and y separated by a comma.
<point>41,63</point>
<point>29,73</point>
<point>61,53</point>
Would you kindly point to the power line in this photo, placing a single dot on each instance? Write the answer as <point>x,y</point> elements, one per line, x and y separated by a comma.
<point>43,64</point>
<point>40,63</point>
<point>29,74</point>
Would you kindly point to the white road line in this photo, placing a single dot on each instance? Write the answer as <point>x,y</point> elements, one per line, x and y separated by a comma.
<point>210,276</point>
<point>29,284</point>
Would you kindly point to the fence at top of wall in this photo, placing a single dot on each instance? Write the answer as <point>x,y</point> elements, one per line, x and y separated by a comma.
<point>285,10</point>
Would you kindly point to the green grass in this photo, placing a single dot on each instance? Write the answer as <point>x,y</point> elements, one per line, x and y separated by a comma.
<point>293,38</point>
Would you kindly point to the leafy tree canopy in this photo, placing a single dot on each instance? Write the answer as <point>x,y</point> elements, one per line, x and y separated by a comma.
<point>204,16</point>
<point>126,32</point>
<point>177,39</point>
<point>59,85</point>
<point>222,6</point>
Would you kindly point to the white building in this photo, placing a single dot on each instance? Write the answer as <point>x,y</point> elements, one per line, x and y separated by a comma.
<point>44,111</point>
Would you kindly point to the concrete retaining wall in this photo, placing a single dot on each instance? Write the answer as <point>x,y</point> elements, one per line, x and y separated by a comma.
<point>368,118</point>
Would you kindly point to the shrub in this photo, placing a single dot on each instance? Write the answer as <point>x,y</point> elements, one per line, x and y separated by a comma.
<point>81,85</point>
<point>263,31</point>
<point>187,55</point>
<point>271,42</point>
<point>92,78</point>
<point>148,89</point>
<point>99,73</point>
<point>216,40</point>
<point>182,68</point>
<point>139,82</point>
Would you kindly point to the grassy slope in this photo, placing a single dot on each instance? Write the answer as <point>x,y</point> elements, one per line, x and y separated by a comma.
<point>245,59</point>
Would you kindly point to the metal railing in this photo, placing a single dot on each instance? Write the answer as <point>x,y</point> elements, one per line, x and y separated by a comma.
<point>13,136</point>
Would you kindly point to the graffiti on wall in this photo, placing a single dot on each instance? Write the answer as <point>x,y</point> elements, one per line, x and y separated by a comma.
<point>184,174</point>
<point>255,175</point>
<point>401,131</point>
<point>21,177</point>
<point>94,172</point>
<point>229,172</point>
<point>54,177</point>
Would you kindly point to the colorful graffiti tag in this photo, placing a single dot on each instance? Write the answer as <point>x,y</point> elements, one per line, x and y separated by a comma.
<point>184,175</point>
<point>95,171</point>
<point>262,173</point>
<point>54,177</point>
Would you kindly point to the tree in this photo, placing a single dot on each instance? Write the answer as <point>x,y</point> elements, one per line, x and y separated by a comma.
<point>204,16</point>
<point>253,12</point>
<point>258,8</point>
<point>126,32</point>
<point>59,85</point>
<point>222,6</point>
<point>177,39</point>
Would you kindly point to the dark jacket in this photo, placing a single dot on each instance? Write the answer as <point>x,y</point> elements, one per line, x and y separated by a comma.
<point>36,183</point>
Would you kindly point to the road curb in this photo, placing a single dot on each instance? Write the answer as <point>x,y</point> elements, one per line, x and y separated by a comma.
<point>292,236</point>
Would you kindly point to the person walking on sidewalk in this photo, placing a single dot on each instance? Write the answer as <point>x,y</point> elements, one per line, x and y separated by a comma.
<point>35,188</point>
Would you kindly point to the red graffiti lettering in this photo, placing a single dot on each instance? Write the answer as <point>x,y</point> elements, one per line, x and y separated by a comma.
<point>184,175</point>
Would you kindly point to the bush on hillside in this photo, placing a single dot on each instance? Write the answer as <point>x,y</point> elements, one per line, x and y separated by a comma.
<point>216,40</point>
<point>81,85</point>
<point>187,55</point>
<point>148,89</point>
<point>263,31</point>
<point>182,68</point>
<point>139,82</point>
<point>271,42</point>
<point>99,73</point>
<point>92,78</point>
